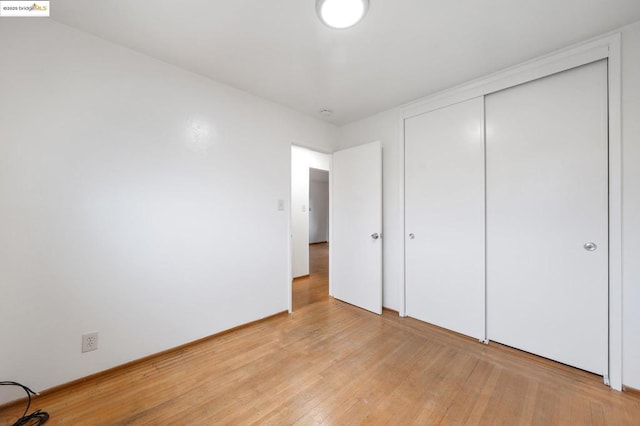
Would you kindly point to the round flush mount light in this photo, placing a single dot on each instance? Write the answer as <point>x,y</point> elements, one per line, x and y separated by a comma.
<point>341,14</point>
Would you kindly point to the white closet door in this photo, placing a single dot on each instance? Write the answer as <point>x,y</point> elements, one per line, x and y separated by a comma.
<point>444,217</point>
<point>547,251</point>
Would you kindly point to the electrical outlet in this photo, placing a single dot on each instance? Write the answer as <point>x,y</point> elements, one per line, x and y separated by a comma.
<point>89,342</point>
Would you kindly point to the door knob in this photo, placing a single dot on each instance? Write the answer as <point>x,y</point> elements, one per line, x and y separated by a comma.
<point>590,246</point>
<point>375,236</point>
<point>412,236</point>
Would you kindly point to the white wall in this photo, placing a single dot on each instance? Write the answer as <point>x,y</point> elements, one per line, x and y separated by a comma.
<point>384,127</point>
<point>318,211</point>
<point>301,160</point>
<point>136,199</point>
<point>631,204</point>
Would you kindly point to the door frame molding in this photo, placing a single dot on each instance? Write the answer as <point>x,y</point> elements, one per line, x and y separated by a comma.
<point>604,47</point>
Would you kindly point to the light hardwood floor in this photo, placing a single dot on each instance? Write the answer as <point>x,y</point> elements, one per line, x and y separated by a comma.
<point>332,363</point>
<point>315,287</point>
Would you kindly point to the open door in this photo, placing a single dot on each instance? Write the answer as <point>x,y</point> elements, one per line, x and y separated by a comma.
<point>356,242</point>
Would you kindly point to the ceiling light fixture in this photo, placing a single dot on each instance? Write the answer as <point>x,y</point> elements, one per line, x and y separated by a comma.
<point>341,14</point>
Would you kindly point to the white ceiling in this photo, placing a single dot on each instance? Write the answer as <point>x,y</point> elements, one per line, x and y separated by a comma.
<point>402,50</point>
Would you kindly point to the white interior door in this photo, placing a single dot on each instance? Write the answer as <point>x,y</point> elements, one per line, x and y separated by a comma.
<point>356,241</point>
<point>547,253</point>
<point>444,217</point>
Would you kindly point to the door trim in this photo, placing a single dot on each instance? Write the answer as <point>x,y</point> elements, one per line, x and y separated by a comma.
<point>605,47</point>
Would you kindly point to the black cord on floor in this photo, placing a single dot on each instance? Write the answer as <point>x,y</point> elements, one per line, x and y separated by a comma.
<point>37,417</point>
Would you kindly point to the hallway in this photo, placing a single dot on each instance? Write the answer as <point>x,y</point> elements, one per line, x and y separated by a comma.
<point>315,287</point>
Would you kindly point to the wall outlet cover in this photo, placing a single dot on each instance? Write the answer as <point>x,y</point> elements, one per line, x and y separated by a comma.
<point>89,342</point>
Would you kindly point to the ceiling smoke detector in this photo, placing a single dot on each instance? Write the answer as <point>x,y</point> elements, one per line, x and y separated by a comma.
<point>341,14</point>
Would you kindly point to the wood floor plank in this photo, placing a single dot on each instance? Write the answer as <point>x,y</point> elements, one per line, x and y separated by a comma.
<point>314,287</point>
<point>332,363</point>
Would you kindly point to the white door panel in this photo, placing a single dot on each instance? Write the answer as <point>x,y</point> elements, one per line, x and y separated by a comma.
<point>356,256</point>
<point>547,197</point>
<point>444,217</point>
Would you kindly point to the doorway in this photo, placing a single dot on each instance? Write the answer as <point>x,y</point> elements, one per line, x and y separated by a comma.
<point>314,287</point>
<point>310,217</point>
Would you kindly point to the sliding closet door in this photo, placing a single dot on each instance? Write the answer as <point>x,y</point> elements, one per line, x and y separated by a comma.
<point>444,205</point>
<point>547,206</point>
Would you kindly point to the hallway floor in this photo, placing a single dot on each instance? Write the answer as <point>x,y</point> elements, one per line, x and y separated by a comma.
<point>315,287</point>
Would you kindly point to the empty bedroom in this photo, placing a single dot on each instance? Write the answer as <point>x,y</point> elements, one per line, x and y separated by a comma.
<point>320,212</point>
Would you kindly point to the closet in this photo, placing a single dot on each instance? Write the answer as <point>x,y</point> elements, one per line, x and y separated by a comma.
<point>506,217</point>
<point>444,215</point>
